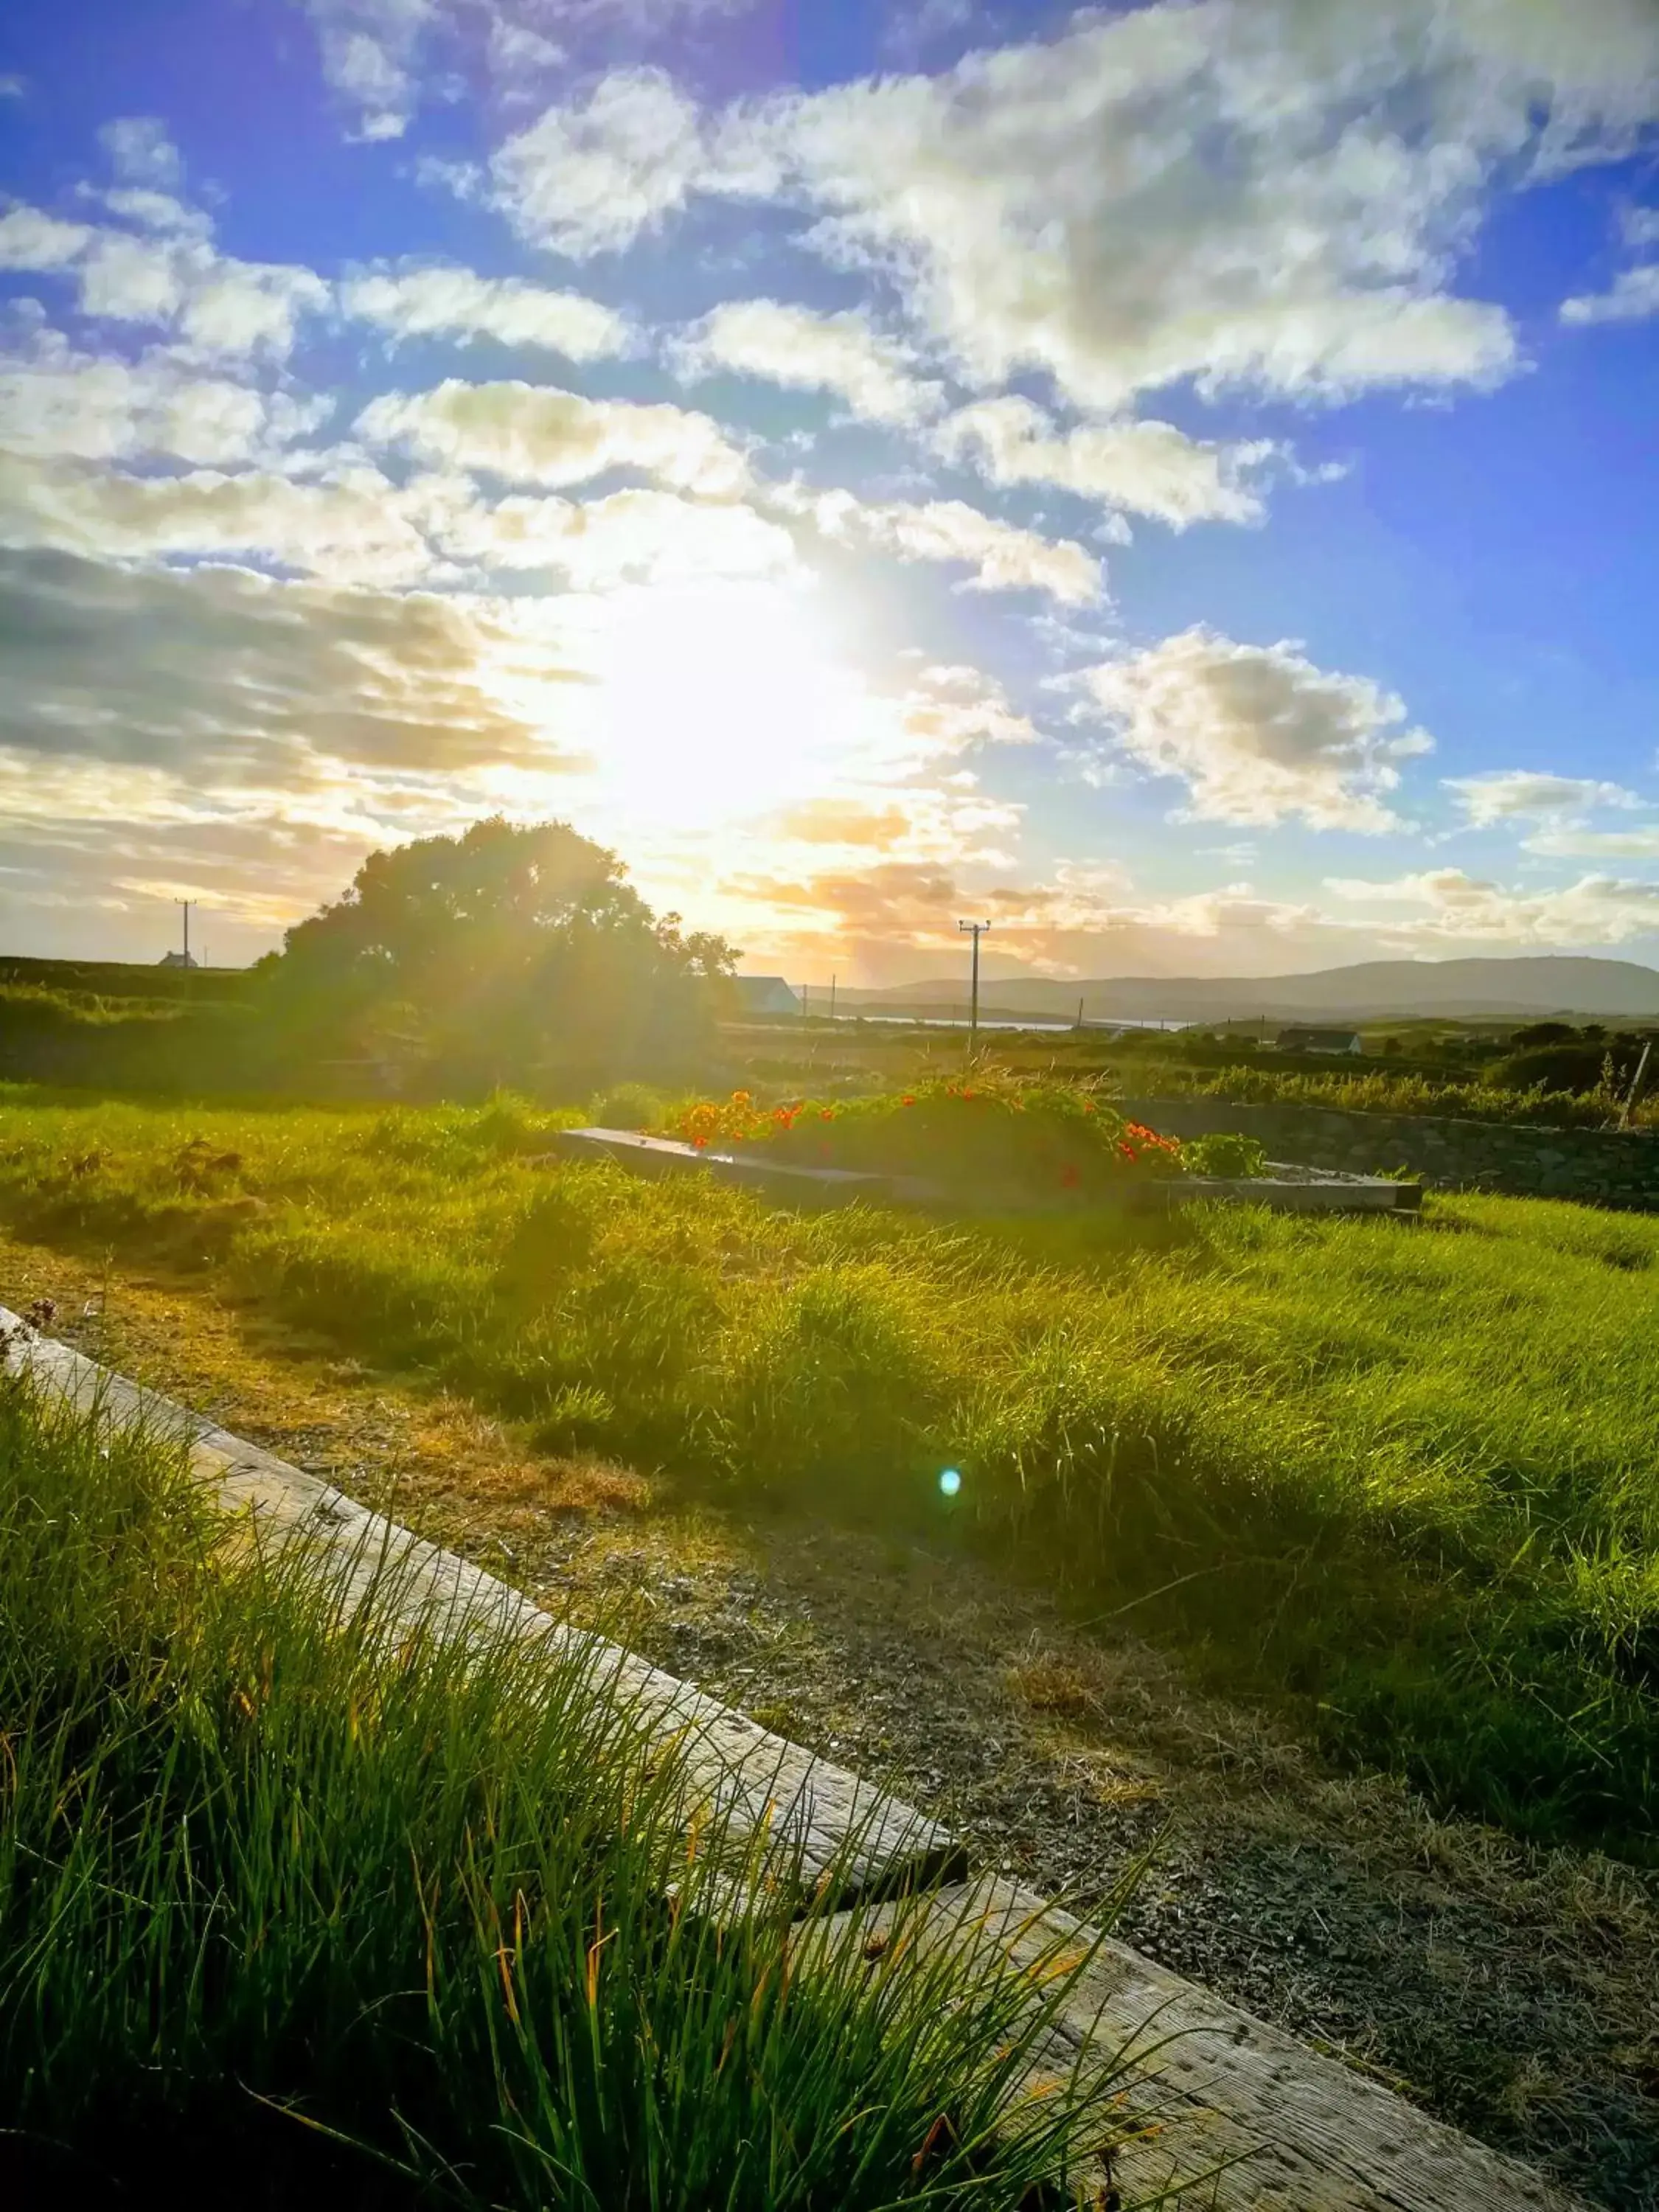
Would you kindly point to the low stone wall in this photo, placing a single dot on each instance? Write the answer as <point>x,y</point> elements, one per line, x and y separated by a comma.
<point>1600,1167</point>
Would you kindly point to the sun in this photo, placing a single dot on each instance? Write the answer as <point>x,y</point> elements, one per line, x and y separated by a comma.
<point>718,702</point>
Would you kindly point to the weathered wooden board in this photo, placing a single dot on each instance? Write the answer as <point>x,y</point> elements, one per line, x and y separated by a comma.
<point>1273,2126</point>
<point>668,1156</point>
<point>829,1825</point>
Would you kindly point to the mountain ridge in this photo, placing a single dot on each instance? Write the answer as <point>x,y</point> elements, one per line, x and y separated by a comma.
<point>1532,986</point>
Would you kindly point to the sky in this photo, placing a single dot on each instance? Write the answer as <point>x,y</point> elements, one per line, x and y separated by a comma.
<point>1179,482</point>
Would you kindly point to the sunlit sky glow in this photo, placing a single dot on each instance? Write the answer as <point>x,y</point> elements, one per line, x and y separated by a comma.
<point>1178,479</point>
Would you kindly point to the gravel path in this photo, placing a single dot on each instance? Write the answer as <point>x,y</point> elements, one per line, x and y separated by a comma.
<point>1515,1993</point>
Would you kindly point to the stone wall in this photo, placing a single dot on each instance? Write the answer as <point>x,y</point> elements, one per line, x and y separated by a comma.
<point>1601,1167</point>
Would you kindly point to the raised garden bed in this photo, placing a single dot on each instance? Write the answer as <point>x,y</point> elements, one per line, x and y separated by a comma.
<point>1286,1188</point>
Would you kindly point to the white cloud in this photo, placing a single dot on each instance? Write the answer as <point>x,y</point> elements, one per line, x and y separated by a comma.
<point>1258,733</point>
<point>57,403</point>
<point>158,211</point>
<point>537,434</point>
<point>130,280</point>
<point>1003,557</point>
<point>32,240</point>
<point>1453,906</point>
<point>380,56</point>
<point>1634,293</point>
<point>237,308</point>
<point>1527,795</point>
<point>352,524</point>
<point>1209,192</point>
<point>1634,297</point>
<point>370,54</point>
<point>627,537</point>
<point>1636,844</point>
<point>1147,468</point>
<point>1259,193</point>
<point>13,86</point>
<point>591,178</point>
<point>213,302</point>
<point>805,350</point>
<point>443,301</point>
<point>142,153</point>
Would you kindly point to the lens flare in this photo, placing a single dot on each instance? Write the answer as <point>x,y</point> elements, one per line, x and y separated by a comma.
<point>949,1483</point>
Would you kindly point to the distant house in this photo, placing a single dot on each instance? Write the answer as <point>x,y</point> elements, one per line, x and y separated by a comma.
<point>1319,1040</point>
<point>178,960</point>
<point>764,994</point>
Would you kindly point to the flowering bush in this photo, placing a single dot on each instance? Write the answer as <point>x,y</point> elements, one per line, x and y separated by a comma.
<point>990,1129</point>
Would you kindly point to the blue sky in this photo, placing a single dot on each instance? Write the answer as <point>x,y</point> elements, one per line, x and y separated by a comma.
<point>1177,479</point>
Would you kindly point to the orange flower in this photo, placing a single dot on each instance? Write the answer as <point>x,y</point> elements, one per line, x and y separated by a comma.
<point>909,1099</point>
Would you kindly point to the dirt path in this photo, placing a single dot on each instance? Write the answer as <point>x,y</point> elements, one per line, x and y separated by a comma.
<point>1514,1993</point>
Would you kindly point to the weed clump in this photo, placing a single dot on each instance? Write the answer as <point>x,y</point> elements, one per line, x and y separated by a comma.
<point>293,1887</point>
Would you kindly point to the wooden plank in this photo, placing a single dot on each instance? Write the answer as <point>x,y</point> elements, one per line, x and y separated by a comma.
<point>668,1156</point>
<point>1273,2126</point>
<point>828,1826</point>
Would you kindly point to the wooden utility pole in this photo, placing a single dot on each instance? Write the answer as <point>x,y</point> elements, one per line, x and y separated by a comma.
<point>976,930</point>
<point>1637,1081</point>
<point>187,904</point>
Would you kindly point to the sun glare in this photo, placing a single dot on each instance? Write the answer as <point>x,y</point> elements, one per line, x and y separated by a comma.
<point>718,702</point>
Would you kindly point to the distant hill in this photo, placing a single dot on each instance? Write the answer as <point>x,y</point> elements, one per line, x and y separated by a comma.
<point>1529,988</point>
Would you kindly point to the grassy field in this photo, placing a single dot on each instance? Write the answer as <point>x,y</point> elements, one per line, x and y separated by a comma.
<point>814,1056</point>
<point>354,1913</point>
<point>1401,1478</point>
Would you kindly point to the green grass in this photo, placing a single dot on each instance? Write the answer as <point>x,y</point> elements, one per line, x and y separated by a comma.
<point>1162,1066</point>
<point>300,1908</point>
<point>1402,1477</point>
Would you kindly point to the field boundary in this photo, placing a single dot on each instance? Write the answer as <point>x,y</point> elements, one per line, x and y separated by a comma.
<point>1277,2127</point>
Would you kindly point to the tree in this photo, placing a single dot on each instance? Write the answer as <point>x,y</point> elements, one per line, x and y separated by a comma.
<point>507,950</point>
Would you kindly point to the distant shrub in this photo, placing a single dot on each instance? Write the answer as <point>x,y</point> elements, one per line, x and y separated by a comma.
<point>1538,1033</point>
<point>1577,1067</point>
<point>628,1106</point>
<point>1226,1154</point>
<point>1492,1097</point>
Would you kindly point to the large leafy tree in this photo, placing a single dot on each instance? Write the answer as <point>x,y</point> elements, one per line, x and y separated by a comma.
<point>504,948</point>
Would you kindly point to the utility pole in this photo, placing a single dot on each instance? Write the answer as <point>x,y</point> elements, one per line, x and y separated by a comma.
<point>187,904</point>
<point>833,980</point>
<point>1637,1082</point>
<point>976,930</point>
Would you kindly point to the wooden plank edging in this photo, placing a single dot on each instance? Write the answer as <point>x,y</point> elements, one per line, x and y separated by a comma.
<point>1285,2129</point>
<point>750,1781</point>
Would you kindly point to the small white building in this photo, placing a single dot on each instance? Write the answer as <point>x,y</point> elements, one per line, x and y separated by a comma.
<point>764,994</point>
<point>178,960</point>
<point>1319,1040</point>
